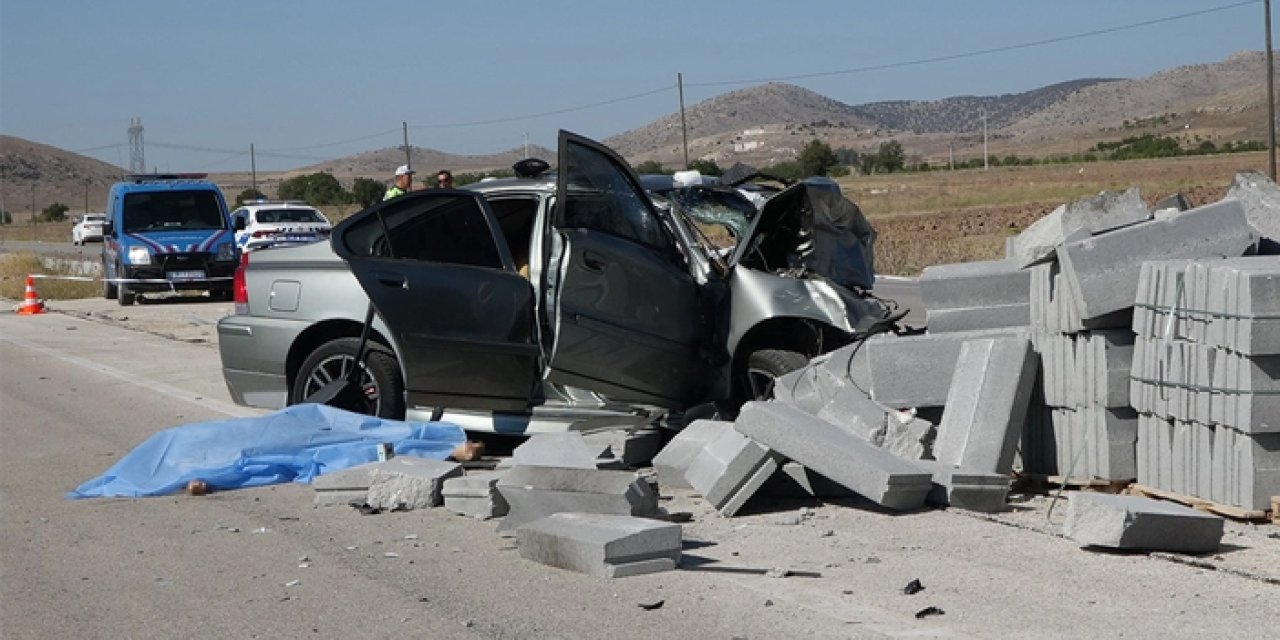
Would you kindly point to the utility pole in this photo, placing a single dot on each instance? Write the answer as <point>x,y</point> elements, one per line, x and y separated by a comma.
<point>684,128</point>
<point>985,165</point>
<point>526,145</point>
<point>253,169</point>
<point>404,126</point>
<point>1271,97</point>
<point>86,196</point>
<point>951,155</point>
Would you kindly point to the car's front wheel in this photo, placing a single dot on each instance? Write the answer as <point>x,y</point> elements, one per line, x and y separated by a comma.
<point>765,366</point>
<point>109,289</point>
<point>381,391</point>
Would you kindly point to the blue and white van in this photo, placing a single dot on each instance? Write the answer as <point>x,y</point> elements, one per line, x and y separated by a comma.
<point>167,232</point>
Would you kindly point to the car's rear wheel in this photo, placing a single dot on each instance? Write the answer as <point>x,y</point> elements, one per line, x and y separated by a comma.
<point>381,391</point>
<point>765,366</point>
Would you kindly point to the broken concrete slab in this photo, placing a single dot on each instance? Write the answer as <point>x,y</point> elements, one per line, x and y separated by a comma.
<point>1260,198</point>
<point>835,453</point>
<point>793,480</point>
<point>673,461</point>
<point>729,469</point>
<point>565,450</point>
<point>533,493</point>
<point>407,482</point>
<point>475,494</point>
<point>978,317</point>
<point>602,545</point>
<point>1130,522</point>
<point>989,283</point>
<point>1102,272</point>
<point>987,404</point>
<point>343,487</point>
<point>1088,216</point>
<point>631,448</point>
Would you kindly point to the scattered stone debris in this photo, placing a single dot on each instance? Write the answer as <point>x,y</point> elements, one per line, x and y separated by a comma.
<point>913,587</point>
<point>929,611</point>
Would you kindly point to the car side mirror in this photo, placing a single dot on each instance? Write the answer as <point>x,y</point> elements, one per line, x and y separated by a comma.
<point>108,229</point>
<point>238,224</point>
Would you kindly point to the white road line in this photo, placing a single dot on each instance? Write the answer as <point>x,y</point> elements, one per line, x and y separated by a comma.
<point>176,393</point>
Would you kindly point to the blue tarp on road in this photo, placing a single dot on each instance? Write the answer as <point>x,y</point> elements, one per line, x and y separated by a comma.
<point>295,444</point>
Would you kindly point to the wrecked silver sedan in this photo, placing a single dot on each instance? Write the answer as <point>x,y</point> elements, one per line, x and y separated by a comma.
<point>564,299</point>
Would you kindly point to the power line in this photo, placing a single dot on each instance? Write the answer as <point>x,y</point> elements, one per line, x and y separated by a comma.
<point>476,123</point>
<point>979,52</point>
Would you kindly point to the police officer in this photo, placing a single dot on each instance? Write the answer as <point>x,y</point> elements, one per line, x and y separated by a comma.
<point>402,183</point>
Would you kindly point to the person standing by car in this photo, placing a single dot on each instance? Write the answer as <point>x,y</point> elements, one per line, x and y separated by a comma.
<point>401,184</point>
<point>444,179</point>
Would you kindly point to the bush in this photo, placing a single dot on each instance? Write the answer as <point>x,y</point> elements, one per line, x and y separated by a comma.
<point>316,189</point>
<point>56,212</point>
<point>248,194</point>
<point>366,191</point>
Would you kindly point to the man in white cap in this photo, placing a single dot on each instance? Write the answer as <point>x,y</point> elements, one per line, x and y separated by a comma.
<point>402,184</point>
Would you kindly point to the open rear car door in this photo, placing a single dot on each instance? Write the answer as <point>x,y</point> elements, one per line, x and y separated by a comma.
<point>437,270</point>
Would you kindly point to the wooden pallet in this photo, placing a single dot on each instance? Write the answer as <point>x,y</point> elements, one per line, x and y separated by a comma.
<point>1041,482</point>
<point>1224,510</point>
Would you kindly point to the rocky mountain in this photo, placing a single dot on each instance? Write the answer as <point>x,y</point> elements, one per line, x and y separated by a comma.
<point>30,171</point>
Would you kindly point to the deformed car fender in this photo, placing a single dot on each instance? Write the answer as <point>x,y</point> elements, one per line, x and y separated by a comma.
<point>757,298</point>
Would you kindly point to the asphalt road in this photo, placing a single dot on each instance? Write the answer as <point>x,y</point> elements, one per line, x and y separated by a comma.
<point>82,385</point>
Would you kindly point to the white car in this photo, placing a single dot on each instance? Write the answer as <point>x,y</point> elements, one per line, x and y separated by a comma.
<point>272,223</point>
<point>88,227</point>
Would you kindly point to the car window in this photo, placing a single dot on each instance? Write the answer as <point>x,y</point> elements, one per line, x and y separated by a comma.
<point>450,230</point>
<point>722,215</point>
<point>172,210</point>
<point>600,197</point>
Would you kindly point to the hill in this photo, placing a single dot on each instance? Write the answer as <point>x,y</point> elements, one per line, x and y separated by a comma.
<point>770,123</point>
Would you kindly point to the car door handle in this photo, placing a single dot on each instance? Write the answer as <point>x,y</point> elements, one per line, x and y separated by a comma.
<point>592,261</point>
<point>388,279</point>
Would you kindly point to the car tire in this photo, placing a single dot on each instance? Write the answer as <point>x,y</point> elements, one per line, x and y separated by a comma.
<point>383,391</point>
<point>765,366</point>
<point>124,296</point>
<point>109,290</point>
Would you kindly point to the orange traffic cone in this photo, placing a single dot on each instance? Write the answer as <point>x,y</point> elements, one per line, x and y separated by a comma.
<point>31,303</point>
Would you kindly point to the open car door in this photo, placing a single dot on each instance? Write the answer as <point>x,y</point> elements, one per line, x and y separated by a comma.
<point>437,270</point>
<point>623,310</point>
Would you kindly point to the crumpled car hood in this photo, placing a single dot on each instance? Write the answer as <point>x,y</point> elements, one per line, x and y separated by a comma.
<point>812,229</point>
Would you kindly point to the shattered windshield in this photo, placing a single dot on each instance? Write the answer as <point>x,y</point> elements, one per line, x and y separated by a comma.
<point>722,215</point>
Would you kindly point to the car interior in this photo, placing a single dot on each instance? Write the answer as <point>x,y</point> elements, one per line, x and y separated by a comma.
<point>516,215</point>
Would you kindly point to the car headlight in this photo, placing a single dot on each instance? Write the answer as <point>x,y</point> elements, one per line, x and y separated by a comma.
<point>139,255</point>
<point>226,252</point>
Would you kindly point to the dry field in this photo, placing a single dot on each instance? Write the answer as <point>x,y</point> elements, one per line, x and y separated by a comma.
<point>956,216</point>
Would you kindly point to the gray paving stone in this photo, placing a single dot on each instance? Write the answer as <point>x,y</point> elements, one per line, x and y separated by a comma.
<point>1081,218</point>
<point>630,447</point>
<point>602,545</point>
<point>729,466</point>
<point>967,489</point>
<point>358,477</point>
<point>987,404</point>
<point>1103,271</point>
<point>835,453</point>
<point>407,482</point>
<point>974,284</point>
<point>1130,522</point>
<point>855,411</point>
<point>533,493</point>
<point>914,371</point>
<point>978,318</point>
<point>671,463</point>
<point>475,495</point>
<point>565,450</point>
<point>794,480</point>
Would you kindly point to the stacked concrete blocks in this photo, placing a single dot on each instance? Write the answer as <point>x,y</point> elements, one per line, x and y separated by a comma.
<point>533,493</point>
<point>1260,198</point>
<point>837,454</point>
<point>1130,522</point>
<point>601,545</point>
<point>1079,219</point>
<point>1206,378</point>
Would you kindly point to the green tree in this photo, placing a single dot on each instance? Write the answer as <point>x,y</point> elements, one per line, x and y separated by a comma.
<point>316,189</point>
<point>248,194</point>
<point>789,170</point>
<point>56,212</point>
<point>650,166</point>
<point>890,156</point>
<point>816,158</point>
<point>706,167</point>
<point>366,191</point>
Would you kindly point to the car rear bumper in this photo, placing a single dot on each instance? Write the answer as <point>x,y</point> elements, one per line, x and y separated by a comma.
<point>254,353</point>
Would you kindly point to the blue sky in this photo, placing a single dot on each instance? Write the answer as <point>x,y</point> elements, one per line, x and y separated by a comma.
<point>308,80</point>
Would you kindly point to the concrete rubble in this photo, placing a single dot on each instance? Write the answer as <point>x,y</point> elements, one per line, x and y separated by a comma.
<point>407,482</point>
<point>532,493</point>
<point>475,494</point>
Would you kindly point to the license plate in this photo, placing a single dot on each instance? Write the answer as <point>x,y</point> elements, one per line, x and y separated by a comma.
<point>296,238</point>
<point>185,275</point>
